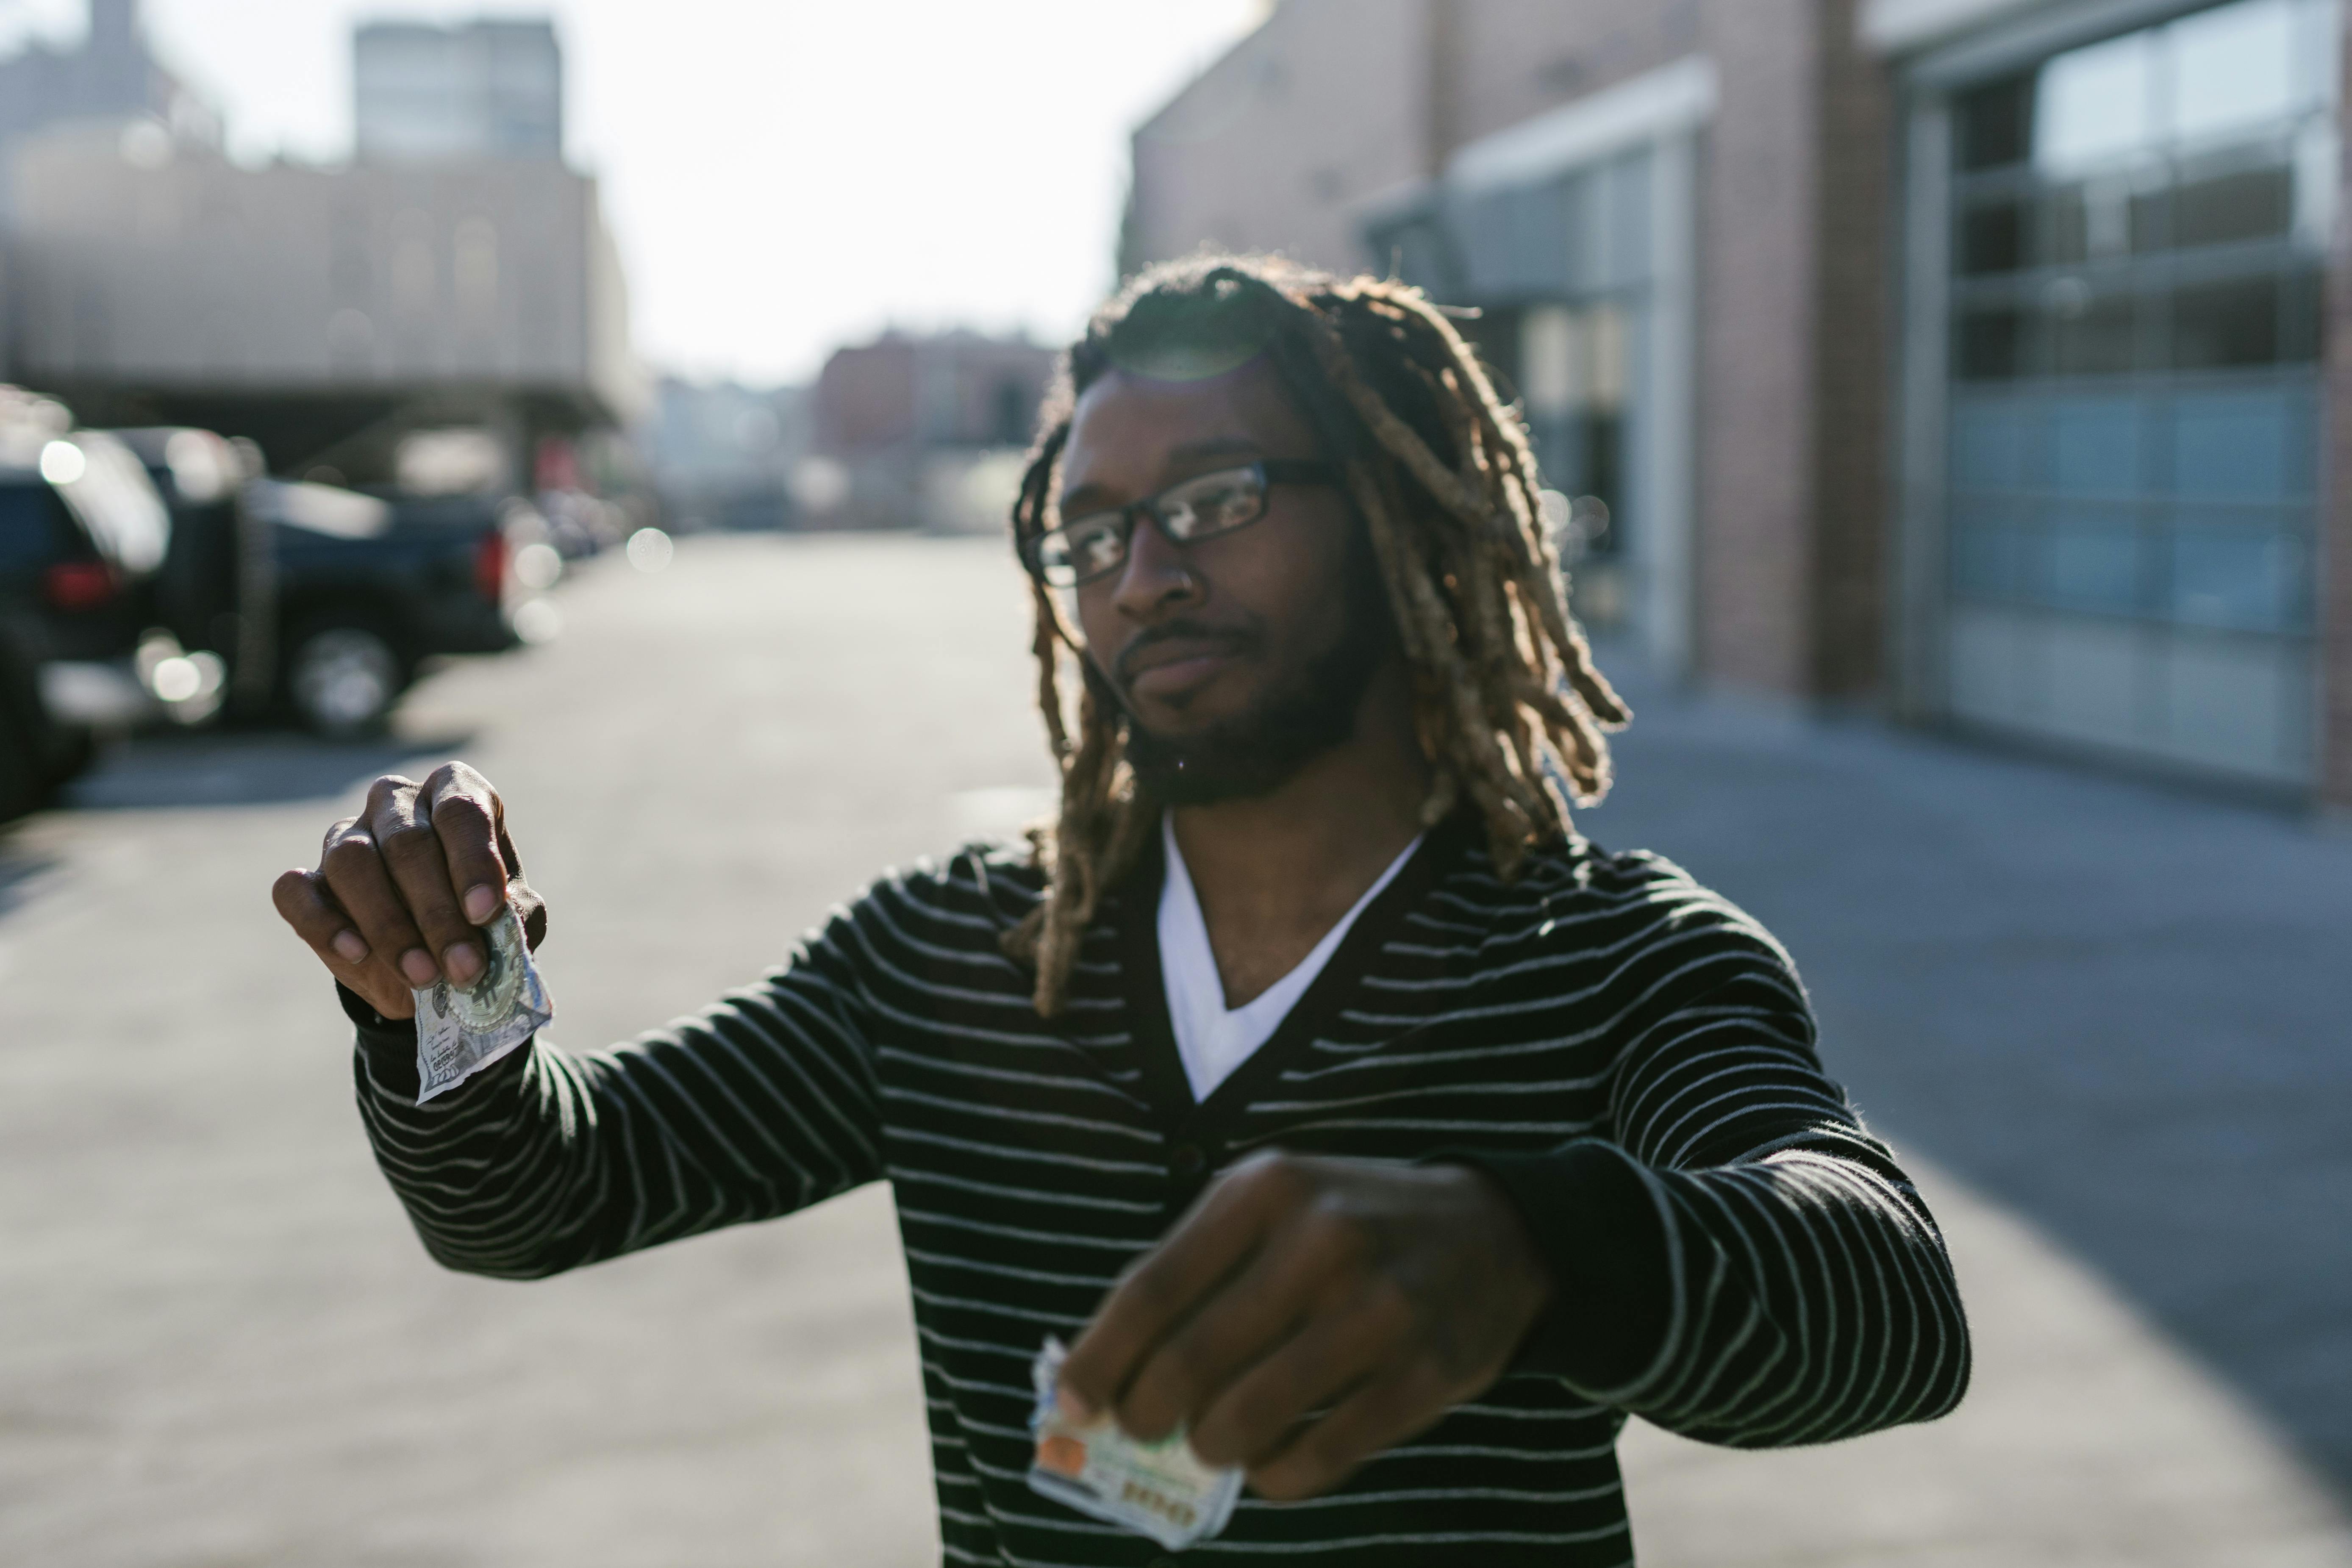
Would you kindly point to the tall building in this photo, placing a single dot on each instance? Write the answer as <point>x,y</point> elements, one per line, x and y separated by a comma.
<point>477,89</point>
<point>110,77</point>
<point>1964,357</point>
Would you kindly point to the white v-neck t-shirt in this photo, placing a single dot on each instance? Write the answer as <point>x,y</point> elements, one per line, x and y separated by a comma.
<point>1212,1038</point>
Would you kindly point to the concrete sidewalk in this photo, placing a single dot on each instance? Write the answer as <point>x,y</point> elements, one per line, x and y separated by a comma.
<point>2112,1024</point>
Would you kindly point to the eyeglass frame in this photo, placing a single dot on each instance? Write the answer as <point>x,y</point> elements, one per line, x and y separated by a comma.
<point>1270,471</point>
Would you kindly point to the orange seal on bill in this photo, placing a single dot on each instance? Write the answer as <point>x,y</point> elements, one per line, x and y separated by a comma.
<point>1062,1454</point>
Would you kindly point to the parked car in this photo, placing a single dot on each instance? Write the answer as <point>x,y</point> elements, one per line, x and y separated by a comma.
<point>37,753</point>
<point>367,588</point>
<point>83,537</point>
<point>217,592</point>
<point>325,602</point>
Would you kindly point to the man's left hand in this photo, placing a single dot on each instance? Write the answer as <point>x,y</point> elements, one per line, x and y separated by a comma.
<point>1373,1298</point>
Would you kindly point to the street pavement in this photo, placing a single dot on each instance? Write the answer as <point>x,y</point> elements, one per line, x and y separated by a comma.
<point>2107,1023</point>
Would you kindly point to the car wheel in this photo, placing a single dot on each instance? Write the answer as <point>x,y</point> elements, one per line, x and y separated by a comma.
<point>37,753</point>
<point>69,751</point>
<point>343,679</point>
<point>21,785</point>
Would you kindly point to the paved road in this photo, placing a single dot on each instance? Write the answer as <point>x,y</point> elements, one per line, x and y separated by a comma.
<point>222,1348</point>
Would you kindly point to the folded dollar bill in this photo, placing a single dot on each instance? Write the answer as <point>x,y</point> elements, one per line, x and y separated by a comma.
<point>460,1032</point>
<point>1160,1490</point>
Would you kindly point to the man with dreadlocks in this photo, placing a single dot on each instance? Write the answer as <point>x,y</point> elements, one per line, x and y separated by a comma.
<point>1338,1100</point>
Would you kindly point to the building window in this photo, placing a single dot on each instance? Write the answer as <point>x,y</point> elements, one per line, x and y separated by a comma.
<point>2138,232</point>
<point>1014,412</point>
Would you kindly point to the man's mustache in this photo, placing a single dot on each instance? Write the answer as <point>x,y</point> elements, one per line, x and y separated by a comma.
<point>1234,639</point>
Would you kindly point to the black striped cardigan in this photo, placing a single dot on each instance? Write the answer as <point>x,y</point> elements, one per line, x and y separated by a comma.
<point>1734,1257</point>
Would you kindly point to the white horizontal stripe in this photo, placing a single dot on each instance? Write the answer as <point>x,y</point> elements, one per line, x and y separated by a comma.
<point>1010,1271</point>
<point>1011,1113</point>
<point>1017,1233</point>
<point>1010,1152</point>
<point>1027,1194</point>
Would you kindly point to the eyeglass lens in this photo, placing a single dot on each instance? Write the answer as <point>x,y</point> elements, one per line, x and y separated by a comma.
<point>1087,547</point>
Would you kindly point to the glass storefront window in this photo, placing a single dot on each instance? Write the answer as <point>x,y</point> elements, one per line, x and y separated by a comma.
<point>2242,578</point>
<point>2139,234</point>
<point>2097,106</point>
<point>1995,125</point>
<point>2091,562</point>
<point>2235,68</point>
<point>2222,207</point>
<point>1574,368</point>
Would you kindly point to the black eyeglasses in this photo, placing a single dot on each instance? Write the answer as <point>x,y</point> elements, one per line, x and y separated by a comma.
<point>1202,507</point>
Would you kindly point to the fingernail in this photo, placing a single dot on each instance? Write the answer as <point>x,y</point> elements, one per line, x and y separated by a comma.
<point>481,903</point>
<point>1073,1405</point>
<point>463,964</point>
<point>417,964</point>
<point>349,944</point>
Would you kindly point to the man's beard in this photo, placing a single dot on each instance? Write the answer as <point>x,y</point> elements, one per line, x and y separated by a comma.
<point>1254,751</point>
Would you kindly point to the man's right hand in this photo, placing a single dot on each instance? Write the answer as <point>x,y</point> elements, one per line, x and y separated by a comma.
<point>401,889</point>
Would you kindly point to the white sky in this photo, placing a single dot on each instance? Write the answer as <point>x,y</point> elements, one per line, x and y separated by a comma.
<point>782,175</point>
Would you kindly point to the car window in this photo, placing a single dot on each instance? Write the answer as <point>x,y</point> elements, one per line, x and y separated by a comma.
<point>34,527</point>
<point>118,504</point>
<point>318,509</point>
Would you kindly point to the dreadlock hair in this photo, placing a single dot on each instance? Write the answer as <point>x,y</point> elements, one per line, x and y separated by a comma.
<point>1507,702</point>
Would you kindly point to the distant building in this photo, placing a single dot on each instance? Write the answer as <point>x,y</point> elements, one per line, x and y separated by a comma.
<point>723,454</point>
<point>111,76</point>
<point>1275,146</point>
<point>946,389</point>
<point>478,90</point>
<point>924,429</point>
<point>313,307</point>
<point>109,79</point>
<point>459,277</point>
<point>1962,357</point>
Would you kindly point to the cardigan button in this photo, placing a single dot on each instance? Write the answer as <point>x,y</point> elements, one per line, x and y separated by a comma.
<point>1186,1160</point>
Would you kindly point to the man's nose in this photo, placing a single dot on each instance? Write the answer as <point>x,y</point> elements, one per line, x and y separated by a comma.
<point>1155,574</point>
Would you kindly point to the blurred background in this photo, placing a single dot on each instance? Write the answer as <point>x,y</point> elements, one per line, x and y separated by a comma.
<point>628,399</point>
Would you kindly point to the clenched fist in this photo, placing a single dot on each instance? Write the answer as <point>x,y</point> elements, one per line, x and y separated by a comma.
<point>401,889</point>
<point>1309,1313</point>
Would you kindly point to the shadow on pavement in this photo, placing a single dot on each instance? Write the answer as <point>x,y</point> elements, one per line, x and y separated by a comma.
<point>19,866</point>
<point>2122,1011</point>
<point>244,768</point>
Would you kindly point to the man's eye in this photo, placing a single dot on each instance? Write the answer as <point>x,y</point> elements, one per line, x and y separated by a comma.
<point>1095,547</point>
<point>1211,505</point>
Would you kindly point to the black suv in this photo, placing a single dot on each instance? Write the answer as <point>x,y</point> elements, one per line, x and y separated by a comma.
<point>83,534</point>
<point>319,602</point>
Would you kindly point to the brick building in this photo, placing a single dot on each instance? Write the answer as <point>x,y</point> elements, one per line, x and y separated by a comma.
<point>925,430</point>
<point>1959,357</point>
<point>956,389</point>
